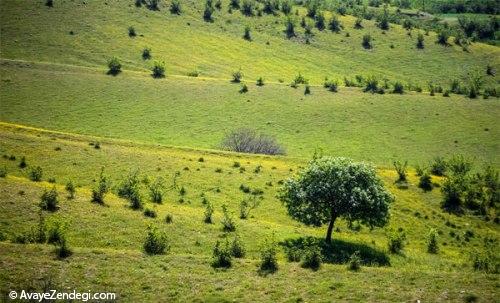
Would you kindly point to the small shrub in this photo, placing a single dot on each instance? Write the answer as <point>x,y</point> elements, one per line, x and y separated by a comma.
<point>156,243</point>
<point>248,141</point>
<point>49,3</point>
<point>209,210</point>
<point>70,188</point>
<point>398,88</point>
<point>158,70</point>
<point>425,181</point>
<point>151,213</point>
<point>312,258</point>
<point>420,41</point>
<point>175,7</point>
<point>193,73</point>
<point>228,224</point>
<point>396,241</point>
<point>247,205</point>
<point>101,189</point>
<point>243,89</point>
<point>331,85</point>
<point>49,200</point>
<point>443,37</point>
<point>23,164</point>
<point>286,7</point>
<point>169,218</point>
<point>439,166</point>
<point>146,53</point>
<point>114,66</point>
<point>334,25</point>
<point>62,248</point>
<point>367,41</point>
<point>129,184</point>
<point>354,263</point>
<point>432,242</point>
<point>135,199</point>
<point>182,191</point>
<point>56,230</point>
<point>237,248</point>
<point>237,75</point>
<point>260,81</point>
<point>131,32</point>
<point>358,23</point>
<point>221,255</point>
<point>307,90</point>
<point>246,34</point>
<point>156,190</point>
<point>207,14</point>
<point>293,254</point>
<point>401,169</point>
<point>371,85</point>
<point>320,21</point>
<point>268,259</point>
<point>3,172</point>
<point>35,174</point>
<point>290,28</point>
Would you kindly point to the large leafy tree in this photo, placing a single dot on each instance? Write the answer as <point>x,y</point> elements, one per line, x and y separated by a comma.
<point>330,188</point>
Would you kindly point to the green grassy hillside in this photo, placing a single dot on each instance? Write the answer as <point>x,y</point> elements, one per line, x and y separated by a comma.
<point>34,32</point>
<point>198,112</point>
<point>61,111</point>
<point>107,241</point>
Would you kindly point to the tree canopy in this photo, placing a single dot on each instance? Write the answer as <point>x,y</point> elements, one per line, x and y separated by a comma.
<point>330,188</point>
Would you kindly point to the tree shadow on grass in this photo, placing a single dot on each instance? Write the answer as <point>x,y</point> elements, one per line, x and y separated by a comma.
<point>339,251</point>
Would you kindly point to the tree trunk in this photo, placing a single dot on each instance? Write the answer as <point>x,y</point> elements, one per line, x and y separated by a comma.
<point>330,228</point>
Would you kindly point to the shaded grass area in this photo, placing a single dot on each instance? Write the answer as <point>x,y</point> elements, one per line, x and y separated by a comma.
<point>197,113</point>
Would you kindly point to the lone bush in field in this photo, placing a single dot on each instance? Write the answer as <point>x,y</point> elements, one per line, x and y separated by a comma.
<point>49,200</point>
<point>354,263</point>
<point>268,256</point>
<point>3,172</point>
<point>228,224</point>
<point>425,181</point>
<point>146,53</point>
<point>35,174</point>
<point>153,5</point>
<point>156,190</point>
<point>158,70</point>
<point>249,141</point>
<point>286,7</point>
<point>100,189</point>
<point>439,166</point>
<point>207,13</point>
<point>23,164</point>
<point>320,21</point>
<point>401,169</point>
<point>221,256</point>
<point>49,3</point>
<point>114,66</point>
<point>131,32</point>
<point>443,37</point>
<point>237,76</point>
<point>358,24</point>
<point>432,242</point>
<point>367,41</point>
<point>312,258</point>
<point>307,90</point>
<point>237,248</point>
<point>246,34</point>
<point>260,81</point>
<point>334,25</point>
<point>70,188</point>
<point>329,188</point>
<point>398,88</point>
<point>175,7</point>
<point>290,28</point>
<point>156,242</point>
<point>243,89</point>
<point>331,85</point>
<point>209,210</point>
<point>396,241</point>
<point>420,41</point>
